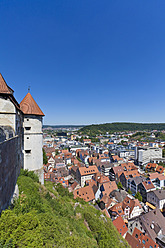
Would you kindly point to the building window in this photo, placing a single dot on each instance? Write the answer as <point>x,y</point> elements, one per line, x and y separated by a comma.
<point>27,151</point>
<point>27,128</point>
<point>27,137</point>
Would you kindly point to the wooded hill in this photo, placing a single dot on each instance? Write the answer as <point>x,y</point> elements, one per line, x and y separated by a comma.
<point>48,216</point>
<point>121,126</point>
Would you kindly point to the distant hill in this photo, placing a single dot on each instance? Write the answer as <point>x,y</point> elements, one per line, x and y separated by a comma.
<point>121,126</point>
<point>63,126</point>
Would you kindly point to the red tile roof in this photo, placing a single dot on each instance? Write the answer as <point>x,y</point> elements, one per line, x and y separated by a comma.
<point>151,165</point>
<point>132,241</point>
<point>88,171</point>
<point>120,225</point>
<point>86,193</point>
<point>148,185</point>
<point>144,239</point>
<point>4,88</point>
<point>109,187</point>
<point>117,208</point>
<point>103,179</point>
<point>29,106</point>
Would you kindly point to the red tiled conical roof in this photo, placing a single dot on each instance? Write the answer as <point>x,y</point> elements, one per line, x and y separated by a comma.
<point>29,106</point>
<point>4,88</point>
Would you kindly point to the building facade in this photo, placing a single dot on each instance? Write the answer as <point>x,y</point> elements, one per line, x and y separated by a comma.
<point>20,140</point>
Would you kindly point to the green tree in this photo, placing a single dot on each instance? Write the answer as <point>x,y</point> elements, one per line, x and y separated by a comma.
<point>45,160</point>
<point>138,196</point>
<point>119,185</point>
<point>163,153</point>
<point>129,192</point>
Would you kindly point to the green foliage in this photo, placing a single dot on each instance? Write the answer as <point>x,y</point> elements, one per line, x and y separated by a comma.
<point>129,192</point>
<point>162,164</point>
<point>30,174</point>
<point>45,159</point>
<point>94,140</point>
<point>120,126</point>
<point>119,185</point>
<point>48,216</point>
<point>160,135</point>
<point>163,153</point>
<point>138,196</point>
<point>56,152</point>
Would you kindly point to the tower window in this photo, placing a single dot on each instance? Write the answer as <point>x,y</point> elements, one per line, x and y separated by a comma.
<point>27,119</point>
<point>27,128</point>
<point>27,151</point>
<point>27,137</point>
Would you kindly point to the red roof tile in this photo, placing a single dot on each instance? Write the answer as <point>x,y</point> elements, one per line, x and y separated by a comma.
<point>145,239</point>
<point>87,171</point>
<point>120,225</point>
<point>85,193</point>
<point>132,241</point>
<point>4,88</point>
<point>29,106</point>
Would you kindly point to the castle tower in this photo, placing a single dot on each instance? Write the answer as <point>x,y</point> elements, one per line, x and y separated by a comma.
<point>33,136</point>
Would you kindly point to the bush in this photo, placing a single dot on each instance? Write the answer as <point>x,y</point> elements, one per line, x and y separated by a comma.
<point>30,174</point>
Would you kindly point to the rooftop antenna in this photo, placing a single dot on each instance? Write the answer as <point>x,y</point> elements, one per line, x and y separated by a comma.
<point>29,89</point>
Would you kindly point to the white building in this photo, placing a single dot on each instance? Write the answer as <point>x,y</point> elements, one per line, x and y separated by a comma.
<point>33,136</point>
<point>143,155</point>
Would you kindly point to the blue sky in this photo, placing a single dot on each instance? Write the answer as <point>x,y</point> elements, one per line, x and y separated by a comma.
<point>87,61</point>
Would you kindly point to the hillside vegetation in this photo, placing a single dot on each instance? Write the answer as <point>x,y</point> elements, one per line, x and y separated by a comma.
<point>121,126</point>
<point>48,216</point>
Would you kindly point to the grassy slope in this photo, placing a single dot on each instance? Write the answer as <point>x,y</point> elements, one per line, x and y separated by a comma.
<point>45,216</point>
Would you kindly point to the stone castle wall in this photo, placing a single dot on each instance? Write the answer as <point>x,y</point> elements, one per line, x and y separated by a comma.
<point>10,164</point>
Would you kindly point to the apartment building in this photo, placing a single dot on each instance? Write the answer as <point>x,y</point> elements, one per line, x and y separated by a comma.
<point>143,155</point>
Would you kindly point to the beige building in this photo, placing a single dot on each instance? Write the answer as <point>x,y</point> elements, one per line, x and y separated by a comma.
<point>84,174</point>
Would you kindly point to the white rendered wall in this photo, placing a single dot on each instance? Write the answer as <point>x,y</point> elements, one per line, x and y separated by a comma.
<point>7,113</point>
<point>33,142</point>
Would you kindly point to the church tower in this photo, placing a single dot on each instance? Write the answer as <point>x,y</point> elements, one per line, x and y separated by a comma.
<point>33,136</point>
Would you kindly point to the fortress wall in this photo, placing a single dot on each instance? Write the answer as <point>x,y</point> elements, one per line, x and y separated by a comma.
<point>10,163</point>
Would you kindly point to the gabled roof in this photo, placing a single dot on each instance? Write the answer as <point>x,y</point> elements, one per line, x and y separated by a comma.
<point>131,174</point>
<point>128,202</point>
<point>144,239</point>
<point>88,171</point>
<point>132,241</point>
<point>152,222</point>
<point>29,106</point>
<point>118,170</point>
<point>109,187</point>
<point>120,225</point>
<point>4,88</point>
<point>103,179</point>
<point>148,185</point>
<point>85,193</point>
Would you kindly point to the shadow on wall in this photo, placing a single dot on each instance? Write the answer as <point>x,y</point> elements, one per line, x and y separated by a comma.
<point>6,132</point>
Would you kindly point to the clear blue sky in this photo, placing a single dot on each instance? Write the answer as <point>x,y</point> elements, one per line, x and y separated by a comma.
<point>87,61</point>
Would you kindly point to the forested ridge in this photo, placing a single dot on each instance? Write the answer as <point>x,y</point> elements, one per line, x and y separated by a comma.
<point>121,126</point>
<point>48,216</point>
